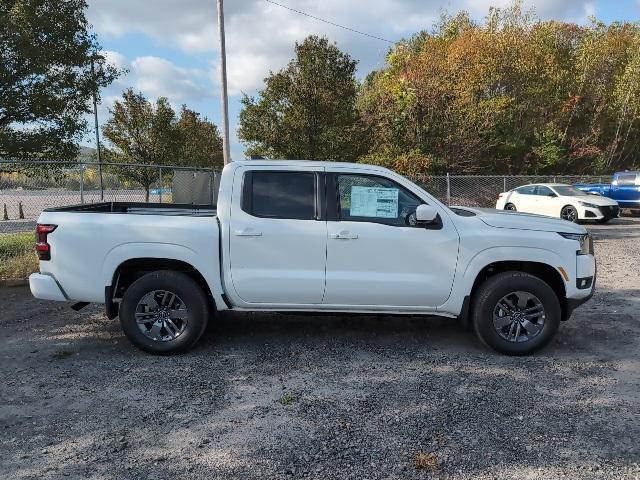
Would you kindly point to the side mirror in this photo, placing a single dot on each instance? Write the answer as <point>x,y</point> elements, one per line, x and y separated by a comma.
<point>426,214</point>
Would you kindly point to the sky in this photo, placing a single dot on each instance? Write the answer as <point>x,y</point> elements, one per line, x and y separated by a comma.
<point>170,47</point>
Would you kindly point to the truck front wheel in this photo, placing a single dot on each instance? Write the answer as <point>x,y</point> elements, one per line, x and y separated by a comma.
<point>164,312</point>
<point>515,313</point>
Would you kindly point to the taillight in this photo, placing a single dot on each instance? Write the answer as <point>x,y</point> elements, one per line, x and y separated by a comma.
<point>42,247</point>
<point>500,195</point>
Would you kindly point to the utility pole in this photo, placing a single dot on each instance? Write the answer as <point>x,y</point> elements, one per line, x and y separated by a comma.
<point>223,86</point>
<point>95,120</point>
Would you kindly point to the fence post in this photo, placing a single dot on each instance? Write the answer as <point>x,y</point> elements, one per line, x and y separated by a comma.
<point>448,189</point>
<point>160,176</point>
<point>554,180</point>
<point>504,183</point>
<point>101,184</point>
<point>82,183</point>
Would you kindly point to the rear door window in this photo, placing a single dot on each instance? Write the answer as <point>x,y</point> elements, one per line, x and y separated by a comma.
<point>279,194</point>
<point>526,190</point>
<point>544,191</point>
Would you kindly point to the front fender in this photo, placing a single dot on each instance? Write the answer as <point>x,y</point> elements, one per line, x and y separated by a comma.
<point>468,274</point>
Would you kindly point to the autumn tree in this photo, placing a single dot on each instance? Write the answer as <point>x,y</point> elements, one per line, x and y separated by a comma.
<point>510,95</point>
<point>46,80</point>
<point>306,110</point>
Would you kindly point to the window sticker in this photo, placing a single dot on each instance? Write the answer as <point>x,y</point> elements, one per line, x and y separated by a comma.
<point>374,202</point>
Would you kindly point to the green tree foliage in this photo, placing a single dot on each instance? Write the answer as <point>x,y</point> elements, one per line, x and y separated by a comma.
<point>201,144</point>
<point>45,77</point>
<point>143,133</point>
<point>509,95</point>
<point>306,110</point>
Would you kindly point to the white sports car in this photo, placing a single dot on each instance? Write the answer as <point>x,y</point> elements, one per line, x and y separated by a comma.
<point>558,200</point>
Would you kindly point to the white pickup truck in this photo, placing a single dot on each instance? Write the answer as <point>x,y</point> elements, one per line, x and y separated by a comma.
<point>293,236</point>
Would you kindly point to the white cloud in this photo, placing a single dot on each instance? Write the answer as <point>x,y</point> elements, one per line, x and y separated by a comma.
<point>260,35</point>
<point>116,59</point>
<point>158,77</point>
<point>154,77</point>
<point>590,10</point>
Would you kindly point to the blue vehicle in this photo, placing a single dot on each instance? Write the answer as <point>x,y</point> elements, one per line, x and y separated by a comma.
<point>624,189</point>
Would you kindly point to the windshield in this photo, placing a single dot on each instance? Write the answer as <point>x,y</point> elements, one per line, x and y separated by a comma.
<point>569,191</point>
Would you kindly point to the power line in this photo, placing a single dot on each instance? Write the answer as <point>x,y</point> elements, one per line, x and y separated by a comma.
<point>329,22</point>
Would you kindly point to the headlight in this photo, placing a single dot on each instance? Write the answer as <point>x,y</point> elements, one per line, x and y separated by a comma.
<point>588,205</point>
<point>586,242</point>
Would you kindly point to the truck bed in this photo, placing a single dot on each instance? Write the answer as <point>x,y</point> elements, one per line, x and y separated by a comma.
<point>140,208</point>
<point>92,241</point>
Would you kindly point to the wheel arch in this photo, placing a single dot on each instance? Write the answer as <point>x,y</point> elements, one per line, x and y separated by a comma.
<point>132,269</point>
<point>541,270</point>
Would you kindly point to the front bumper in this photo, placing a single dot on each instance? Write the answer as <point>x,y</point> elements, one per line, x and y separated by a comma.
<point>601,213</point>
<point>573,303</point>
<point>586,267</point>
<point>45,287</point>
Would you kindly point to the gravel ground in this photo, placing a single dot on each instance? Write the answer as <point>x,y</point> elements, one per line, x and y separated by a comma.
<point>285,396</point>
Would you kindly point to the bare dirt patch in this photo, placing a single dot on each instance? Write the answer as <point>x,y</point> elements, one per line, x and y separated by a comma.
<point>285,396</point>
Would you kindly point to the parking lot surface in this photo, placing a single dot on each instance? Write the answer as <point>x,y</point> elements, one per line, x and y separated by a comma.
<point>290,396</point>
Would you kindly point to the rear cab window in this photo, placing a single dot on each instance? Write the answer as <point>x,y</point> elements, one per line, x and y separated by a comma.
<point>625,179</point>
<point>280,194</point>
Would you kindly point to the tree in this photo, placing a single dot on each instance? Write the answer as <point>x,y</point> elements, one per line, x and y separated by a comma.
<point>510,95</point>
<point>306,110</point>
<point>201,144</point>
<point>45,77</point>
<point>147,134</point>
<point>143,133</point>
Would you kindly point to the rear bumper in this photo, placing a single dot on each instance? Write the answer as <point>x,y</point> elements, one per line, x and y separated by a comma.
<point>45,287</point>
<point>629,202</point>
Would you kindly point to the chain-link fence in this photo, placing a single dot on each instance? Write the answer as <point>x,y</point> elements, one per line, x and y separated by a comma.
<point>483,190</point>
<point>26,188</point>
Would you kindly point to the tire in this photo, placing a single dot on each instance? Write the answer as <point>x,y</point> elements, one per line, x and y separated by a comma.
<point>537,327</point>
<point>511,207</point>
<point>174,304</point>
<point>569,213</point>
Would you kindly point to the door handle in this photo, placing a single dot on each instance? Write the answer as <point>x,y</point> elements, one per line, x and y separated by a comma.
<point>344,236</point>
<point>247,232</point>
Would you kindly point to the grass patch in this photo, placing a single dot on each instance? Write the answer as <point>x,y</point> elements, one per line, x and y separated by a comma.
<point>61,354</point>
<point>15,244</point>
<point>426,461</point>
<point>287,399</point>
<point>18,258</point>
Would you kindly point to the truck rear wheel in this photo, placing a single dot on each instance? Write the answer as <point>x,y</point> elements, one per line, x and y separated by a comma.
<point>164,312</point>
<point>515,313</point>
